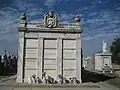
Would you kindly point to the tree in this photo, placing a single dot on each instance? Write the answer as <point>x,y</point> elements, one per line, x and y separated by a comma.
<point>115,50</point>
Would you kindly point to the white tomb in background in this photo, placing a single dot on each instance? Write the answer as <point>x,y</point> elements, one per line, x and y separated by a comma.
<point>103,59</point>
<point>50,47</point>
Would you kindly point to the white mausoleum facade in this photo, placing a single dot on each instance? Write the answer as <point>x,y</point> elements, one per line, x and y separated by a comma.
<point>50,47</point>
<point>103,60</point>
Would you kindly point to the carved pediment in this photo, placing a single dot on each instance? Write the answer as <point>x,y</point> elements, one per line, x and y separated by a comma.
<point>50,20</point>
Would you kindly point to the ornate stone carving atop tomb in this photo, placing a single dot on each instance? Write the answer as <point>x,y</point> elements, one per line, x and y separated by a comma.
<point>50,20</point>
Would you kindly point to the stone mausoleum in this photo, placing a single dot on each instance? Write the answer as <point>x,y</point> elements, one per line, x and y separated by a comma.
<point>103,60</point>
<point>49,46</point>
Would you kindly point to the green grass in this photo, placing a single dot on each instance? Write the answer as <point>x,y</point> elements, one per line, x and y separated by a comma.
<point>114,81</point>
<point>111,74</point>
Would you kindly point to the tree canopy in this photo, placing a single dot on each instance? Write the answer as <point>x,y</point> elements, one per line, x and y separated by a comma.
<point>115,50</point>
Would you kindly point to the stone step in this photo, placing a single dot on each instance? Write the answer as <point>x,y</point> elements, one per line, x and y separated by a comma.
<point>51,85</point>
<point>52,89</point>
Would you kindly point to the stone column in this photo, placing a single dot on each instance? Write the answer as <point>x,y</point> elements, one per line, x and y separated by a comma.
<point>110,61</point>
<point>40,56</point>
<point>20,58</point>
<point>102,60</point>
<point>78,58</point>
<point>59,56</point>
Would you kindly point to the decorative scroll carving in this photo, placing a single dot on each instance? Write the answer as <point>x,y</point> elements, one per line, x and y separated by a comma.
<point>50,20</point>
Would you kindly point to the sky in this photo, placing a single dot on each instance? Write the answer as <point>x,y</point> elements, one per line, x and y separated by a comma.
<point>100,20</point>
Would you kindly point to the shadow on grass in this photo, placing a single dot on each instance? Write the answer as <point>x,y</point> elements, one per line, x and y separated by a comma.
<point>8,72</point>
<point>88,76</point>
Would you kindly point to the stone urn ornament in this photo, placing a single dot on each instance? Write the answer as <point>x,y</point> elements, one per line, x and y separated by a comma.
<point>77,18</point>
<point>23,20</point>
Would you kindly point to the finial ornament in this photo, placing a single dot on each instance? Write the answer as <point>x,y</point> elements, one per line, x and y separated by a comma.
<point>104,47</point>
<point>23,17</point>
<point>77,18</point>
<point>23,20</point>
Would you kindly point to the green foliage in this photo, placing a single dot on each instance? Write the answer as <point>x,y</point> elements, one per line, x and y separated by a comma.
<point>34,76</point>
<point>115,50</point>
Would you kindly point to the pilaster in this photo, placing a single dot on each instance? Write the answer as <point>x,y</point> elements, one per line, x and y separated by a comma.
<point>59,56</point>
<point>21,57</point>
<point>40,56</point>
<point>78,59</point>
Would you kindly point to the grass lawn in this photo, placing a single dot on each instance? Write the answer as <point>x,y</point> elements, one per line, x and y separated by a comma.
<point>114,81</point>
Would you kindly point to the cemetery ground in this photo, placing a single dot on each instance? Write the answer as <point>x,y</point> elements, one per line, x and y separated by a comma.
<point>108,78</point>
<point>91,81</point>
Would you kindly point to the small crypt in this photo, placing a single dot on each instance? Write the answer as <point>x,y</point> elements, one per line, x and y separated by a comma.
<point>103,60</point>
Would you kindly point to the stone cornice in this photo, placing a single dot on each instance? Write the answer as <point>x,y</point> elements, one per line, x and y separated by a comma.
<point>51,30</point>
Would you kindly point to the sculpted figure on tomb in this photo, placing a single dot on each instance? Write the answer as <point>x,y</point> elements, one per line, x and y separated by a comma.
<point>104,47</point>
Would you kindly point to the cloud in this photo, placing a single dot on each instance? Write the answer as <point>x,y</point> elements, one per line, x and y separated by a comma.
<point>118,8</point>
<point>97,21</point>
<point>50,3</point>
<point>69,17</point>
<point>93,14</point>
<point>101,35</point>
<point>9,22</point>
<point>66,16</point>
<point>103,22</point>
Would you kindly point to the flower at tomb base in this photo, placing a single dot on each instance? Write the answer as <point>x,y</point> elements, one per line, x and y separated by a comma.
<point>43,73</point>
<point>77,18</point>
<point>33,76</point>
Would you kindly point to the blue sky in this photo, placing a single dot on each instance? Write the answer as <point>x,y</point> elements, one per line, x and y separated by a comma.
<point>100,19</point>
